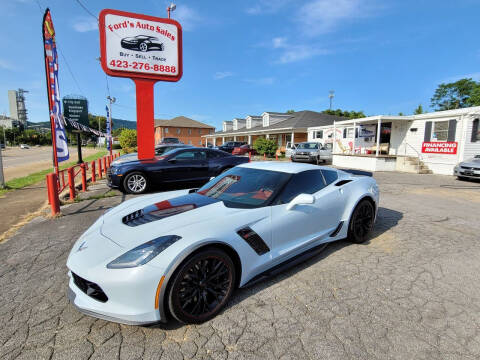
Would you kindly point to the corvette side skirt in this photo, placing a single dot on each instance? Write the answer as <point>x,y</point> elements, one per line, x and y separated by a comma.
<point>286,265</point>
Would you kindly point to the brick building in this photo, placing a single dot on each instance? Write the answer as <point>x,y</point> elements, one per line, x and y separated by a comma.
<point>187,130</point>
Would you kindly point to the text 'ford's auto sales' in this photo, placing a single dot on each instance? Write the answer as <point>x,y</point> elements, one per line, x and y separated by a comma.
<point>140,25</point>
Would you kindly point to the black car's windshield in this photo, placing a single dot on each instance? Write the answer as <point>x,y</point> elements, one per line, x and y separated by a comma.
<point>311,146</point>
<point>244,187</point>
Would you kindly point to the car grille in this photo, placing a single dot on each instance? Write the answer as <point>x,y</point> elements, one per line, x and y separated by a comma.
<point>89,288</point>
<point>469,168</point>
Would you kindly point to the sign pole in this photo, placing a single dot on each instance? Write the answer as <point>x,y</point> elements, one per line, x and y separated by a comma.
<point>79,148</point>
<point>145,121</point>
<point>2,179</point>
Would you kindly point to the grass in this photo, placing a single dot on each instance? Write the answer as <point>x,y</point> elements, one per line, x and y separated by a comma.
<point>108,194</point>
<point>38,176</point>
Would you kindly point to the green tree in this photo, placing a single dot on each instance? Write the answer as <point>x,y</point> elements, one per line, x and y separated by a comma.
<point>401,113</point>
<point>418,110</point>
<point>128,140</point>
<point>345,113</point>
<point>460,94</point>
<point>95,120</point>
<point>265,146</point>
<point>290,111</point>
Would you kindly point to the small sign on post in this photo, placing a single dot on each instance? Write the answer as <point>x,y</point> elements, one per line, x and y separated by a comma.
<point>145,49</point>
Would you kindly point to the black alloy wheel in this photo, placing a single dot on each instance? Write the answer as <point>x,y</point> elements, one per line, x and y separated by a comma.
<point>201,286</point>
<point>143,47</point>
<point>361,223</point>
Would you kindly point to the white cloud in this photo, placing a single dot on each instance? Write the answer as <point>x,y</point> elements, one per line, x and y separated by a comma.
<point>322,16</point>
<point>85,24</point>
<point>187,17</point>
<point>267,6</point>
<point>295,52</point>
<point>4,64</point>
<point>261,81</point>
<point>222,75</point>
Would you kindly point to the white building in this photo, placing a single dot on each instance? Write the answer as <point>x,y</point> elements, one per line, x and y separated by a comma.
<point>426,143</point>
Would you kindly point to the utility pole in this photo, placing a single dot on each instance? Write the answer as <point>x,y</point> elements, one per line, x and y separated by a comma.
<point>331,95</point>
<point>2,179</point>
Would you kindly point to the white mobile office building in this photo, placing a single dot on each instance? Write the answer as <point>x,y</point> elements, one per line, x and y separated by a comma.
<point>425,143</point>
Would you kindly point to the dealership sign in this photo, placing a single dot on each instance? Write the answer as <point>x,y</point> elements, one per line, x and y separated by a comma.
<point>145,49</point>
<point>134,45</point>
<point>444,147</point>
<point>76,109</point>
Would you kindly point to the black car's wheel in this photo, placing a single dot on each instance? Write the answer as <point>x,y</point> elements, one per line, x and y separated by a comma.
<point>461,178</point>
<point>201,286</point>
<point>361,223</point>
<point>143,47</point>
<point>135,183</point>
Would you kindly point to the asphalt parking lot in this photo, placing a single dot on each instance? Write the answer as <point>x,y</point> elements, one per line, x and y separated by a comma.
<point>411,292</point>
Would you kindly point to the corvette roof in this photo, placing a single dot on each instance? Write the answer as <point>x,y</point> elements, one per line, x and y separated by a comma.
<point>282,166</point>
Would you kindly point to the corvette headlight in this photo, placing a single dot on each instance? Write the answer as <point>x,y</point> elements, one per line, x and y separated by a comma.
<point>144,253</point>
<point>115,170</point>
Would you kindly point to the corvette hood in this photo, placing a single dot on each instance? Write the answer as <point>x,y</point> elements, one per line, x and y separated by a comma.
<point>154,216</point>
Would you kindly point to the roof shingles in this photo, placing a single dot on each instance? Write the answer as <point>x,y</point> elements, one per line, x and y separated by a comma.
<point>182,121</point>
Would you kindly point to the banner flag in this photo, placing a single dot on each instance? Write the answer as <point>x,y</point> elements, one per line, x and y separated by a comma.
<point>109,130</point>
<point>59,137</point>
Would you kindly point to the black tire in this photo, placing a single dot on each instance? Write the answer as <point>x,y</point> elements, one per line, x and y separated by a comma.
<point>135,183</point>
<point>461,178</point>
<point>361,222</point>
<point>194,298</point>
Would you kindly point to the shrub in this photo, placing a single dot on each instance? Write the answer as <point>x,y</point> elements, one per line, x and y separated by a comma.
<point>128,139</point>
<point>265,146</point>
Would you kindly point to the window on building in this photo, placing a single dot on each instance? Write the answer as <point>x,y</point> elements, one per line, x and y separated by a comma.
<point>199,142</point>
<point>199,131</point>
<point>440,131</point>
<point>179,131</point>
<point>189,131</point>
<point>189,142</point>
<point>319,134</point>
<point>475,130</point>
<point>350,133</point>
<point>344,133</point>
<point>166,130</point>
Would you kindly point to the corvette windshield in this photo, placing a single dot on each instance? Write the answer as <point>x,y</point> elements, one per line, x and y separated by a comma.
<point>243,187</point>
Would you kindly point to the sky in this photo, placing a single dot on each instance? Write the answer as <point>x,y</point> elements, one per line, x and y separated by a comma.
<point>246,57</point>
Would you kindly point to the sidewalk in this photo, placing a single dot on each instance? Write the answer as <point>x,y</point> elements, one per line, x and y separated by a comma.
<point>18,204</point>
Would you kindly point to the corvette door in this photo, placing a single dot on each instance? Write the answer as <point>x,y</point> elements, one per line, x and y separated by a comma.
<point>303,226</point>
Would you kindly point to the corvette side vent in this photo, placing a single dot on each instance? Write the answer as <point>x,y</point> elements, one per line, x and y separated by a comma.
<point>254,240</point>
<point>342,182</point>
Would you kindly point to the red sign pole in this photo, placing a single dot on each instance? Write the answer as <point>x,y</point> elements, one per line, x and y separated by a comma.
<point>145,121</point>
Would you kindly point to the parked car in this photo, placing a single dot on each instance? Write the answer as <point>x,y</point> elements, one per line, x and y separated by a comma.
<point>24,146</point>
<point>2,145</point>
<point>468,169</point>
<point>311,152</point>
<point>184,252</point>
<point>230,145</point>
<point>159,150</point>
<point>171,140</point>
<point>290,148</point>
<point>175,166</point>
<point>243,150</point>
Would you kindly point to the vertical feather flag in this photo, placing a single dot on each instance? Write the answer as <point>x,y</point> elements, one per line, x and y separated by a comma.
<point>59,136</point>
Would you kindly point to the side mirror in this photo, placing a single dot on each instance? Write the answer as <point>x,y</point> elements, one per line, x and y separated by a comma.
<point>301,199</point>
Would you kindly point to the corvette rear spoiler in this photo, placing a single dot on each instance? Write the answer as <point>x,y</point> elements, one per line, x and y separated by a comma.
<point>358,172</point>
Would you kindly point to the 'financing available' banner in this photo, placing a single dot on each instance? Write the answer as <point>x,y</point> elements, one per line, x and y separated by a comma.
<point>59,137</point>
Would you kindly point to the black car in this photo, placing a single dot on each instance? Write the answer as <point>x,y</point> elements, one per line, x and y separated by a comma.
<point>142,43</point>
<point>230,145</point>
<point>175,166</point>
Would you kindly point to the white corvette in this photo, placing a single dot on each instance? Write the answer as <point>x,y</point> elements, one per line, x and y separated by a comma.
<point>184,252</point>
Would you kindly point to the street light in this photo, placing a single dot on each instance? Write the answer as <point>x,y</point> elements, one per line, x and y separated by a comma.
<point>170,8</point>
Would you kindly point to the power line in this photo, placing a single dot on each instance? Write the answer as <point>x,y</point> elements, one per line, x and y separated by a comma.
<point>70,71</point>
<point>86,9</point>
